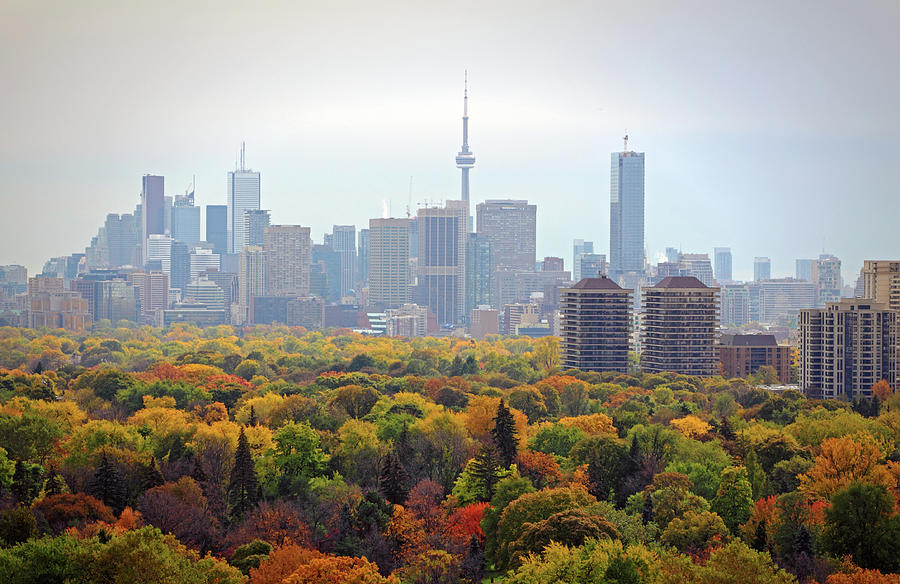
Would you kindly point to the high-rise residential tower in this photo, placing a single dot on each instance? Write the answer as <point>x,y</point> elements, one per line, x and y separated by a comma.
<point>595,326</point>
<point>510,226</point>
<point>465,158</point>
<point>389,282</point>
<point>881,282</point>
<point>762,269</point>
<point>243,195</point>
<point>343,241</point>
<point>680,322</point>
<point>362,259</point>
<point>723,264</point>
<point>826,275</point>
<point>288,255</point>
<point>442,260</point>
<point>152,209</point>
<point>626,212</point>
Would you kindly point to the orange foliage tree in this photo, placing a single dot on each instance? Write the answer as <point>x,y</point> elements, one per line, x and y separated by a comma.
<point>842,461</point>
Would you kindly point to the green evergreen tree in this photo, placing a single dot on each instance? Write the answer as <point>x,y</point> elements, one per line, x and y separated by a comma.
<point>150,475</point>
<point>393,480</point>
<point>756,475</point>
<point>24,486</point>
<point>486,469</point>
<point>55,483</point>
<point>253,421</point>
<point>107,484</point>
<point>243,488</point>
<point>504,433</point>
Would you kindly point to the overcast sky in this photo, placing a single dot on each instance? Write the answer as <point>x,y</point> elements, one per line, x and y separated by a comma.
<point>769,127</point>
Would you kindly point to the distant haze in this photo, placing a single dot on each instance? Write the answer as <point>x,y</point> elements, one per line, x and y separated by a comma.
<point>769,127</point>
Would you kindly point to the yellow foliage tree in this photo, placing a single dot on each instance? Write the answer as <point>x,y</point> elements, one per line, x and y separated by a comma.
<point>842,461</point>
<point>591,424</point>
<point>691,426</point>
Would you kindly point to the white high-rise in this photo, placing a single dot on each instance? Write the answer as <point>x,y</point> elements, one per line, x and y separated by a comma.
<point>243,195</point>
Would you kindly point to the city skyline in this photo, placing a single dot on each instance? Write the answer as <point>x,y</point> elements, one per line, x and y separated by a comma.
<point>542,131</point>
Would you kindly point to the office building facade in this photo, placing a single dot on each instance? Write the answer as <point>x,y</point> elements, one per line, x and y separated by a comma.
<point>289,254</point>
<point>626,213</point>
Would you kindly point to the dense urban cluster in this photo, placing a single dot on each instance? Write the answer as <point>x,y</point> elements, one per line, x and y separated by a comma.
<point>273,454</point>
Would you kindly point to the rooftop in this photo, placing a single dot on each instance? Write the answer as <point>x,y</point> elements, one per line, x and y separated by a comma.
<point>680,282</point>
<point>601,283</point>
<point>749,340</point>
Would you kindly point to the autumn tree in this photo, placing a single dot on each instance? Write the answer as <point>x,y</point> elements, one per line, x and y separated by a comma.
<point>882,390</point>
<point>505,435</point>
<point>570,527</point>
<point>243,488</point>
<point>842,461</point>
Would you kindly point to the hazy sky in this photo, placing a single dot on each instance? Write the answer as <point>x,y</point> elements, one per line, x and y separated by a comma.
<point>769,127</point>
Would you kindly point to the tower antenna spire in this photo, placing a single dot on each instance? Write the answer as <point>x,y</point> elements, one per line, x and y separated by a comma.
<point>465,159</point>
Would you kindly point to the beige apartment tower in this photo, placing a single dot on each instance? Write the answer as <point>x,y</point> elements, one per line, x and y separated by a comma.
<point>847,347</point>
<point>389,284</point>
<point>288,255</point>
<point>680,323</point>
<point>881,282</point>
<point>595,327</point>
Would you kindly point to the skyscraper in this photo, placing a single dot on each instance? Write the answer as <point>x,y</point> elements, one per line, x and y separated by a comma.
<point>580,246</point>
<point>442,260</point>
<point>343,241</point>
<point>510,226</point>
<point>762,269</point>
<point>723,264</point>
<point>252,277</point>
<point>596,325</point>
<point>803,270</point>
<point>217,227</point>
<point>289,255</point>
<point>362,259</point>
<point>465,159</point>
<point>697,265</point>
<point>827,278</point>
<point>389,279</point>
<point>152,208</point>
<point>185,220</point>
<point>626,212</point>
<point>243,195</point>
<point>159,248</point>
<point>255,223</point>
<point>881,282</point>
<point>179,265</point>
<point>479,273</point>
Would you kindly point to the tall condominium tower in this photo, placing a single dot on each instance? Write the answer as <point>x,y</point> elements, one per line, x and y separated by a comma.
<point>803,269</point>
<point>827,278</point>
<point>217,227</point>
<point>510,226</point>
<point>362,259</point>
<point>479,273</point>
<point>252,275</point>
<point>762,269</point>
<point>465,159</point>
<point>595,325</point>
<point>847,347</point>
<point>697,265</point>
<point>442,260</point>
<point>723,264</point>
<point>243,195</point>
<point>343,241</point>
<point>389,282</point>
<point>681,317</point>
<point>153,215</point>
<point>626,212</point>
<point>289,253</point>
<point>881,282</point>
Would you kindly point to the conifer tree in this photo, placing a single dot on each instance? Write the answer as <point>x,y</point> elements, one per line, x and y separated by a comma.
<point>150,475</point>
<point>107,484</point>
<point>393,480</point>
<point>504,433</point>
<point>253,421</point>
<point>55,484</point>
<point>243,488</point>
<point>24,487</point>
<point>486,470</point>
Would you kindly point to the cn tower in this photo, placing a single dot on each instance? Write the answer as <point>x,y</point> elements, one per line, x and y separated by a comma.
<point>465,159</point>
